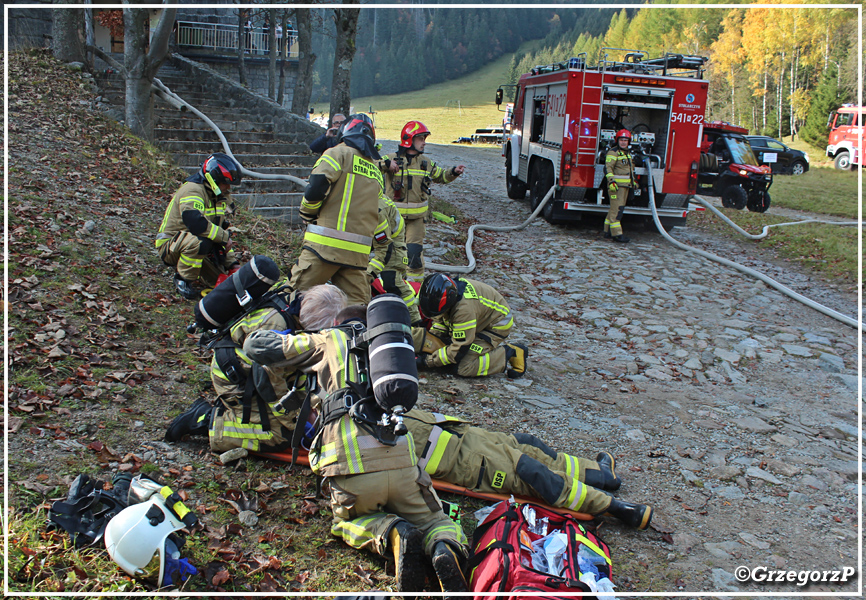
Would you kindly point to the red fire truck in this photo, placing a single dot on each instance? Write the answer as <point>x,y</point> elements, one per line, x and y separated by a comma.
<point>565,119</point>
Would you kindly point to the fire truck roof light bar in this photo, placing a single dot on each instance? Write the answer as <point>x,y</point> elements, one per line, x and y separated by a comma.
<point>619,89</point>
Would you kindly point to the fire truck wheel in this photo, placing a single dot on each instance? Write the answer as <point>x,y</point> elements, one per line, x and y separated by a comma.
<point>842,161</point>
<point>515,188</point>
<point>735,197</point>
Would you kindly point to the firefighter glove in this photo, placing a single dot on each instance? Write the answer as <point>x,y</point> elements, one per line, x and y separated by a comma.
<point>612,187</point>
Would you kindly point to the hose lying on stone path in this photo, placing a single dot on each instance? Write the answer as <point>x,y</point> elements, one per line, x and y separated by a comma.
<point>742,268</point>
<point>166,94</point>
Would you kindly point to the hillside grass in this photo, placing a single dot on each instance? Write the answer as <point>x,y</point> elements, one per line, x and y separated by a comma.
<point>437,105</point>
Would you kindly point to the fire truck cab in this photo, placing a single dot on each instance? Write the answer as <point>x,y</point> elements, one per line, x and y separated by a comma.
<point>846,135</point>
<point>565,119</point>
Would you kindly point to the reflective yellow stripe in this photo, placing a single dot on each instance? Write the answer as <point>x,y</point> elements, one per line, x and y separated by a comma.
<point>348,433</point>
<point>341,244</point>
<point>159,243</point>
<point>413,209</point>
<point>192,262</point>
<point>438,450</point>
<point>576,499</point>
<point>483,364</point>
<point>592,545</point>
<point>377,265</point>
<point>451,527</point>
<point>442,355</point>
<point>213,232</point>
<point>328,455</point>
<point>355,530</point>
<point>572,467</point>
<point>311,206</point>
<point>196,201</point>
<point>333,163</point>
<point>464,326</point>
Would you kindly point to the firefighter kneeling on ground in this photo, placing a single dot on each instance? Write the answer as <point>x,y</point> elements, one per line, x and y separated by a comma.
<point>619,173</point>
<point>253,407</point>
<point>407,182</point>
<point>194,236</point>
<point>390,263</point>
<point>374,502</point>
<point>474,320</point>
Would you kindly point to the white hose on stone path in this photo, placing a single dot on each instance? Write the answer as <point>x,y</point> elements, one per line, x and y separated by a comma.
<point>178,102</point>
<point>471,266</point>
<point>766,231</point>
<point>743,269</point>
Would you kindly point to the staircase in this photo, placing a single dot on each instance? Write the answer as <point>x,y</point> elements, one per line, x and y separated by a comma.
<point>252,141</point>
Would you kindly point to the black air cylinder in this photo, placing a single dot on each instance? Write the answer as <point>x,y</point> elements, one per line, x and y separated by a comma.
<point>393,373</point>
<point>232,296</point>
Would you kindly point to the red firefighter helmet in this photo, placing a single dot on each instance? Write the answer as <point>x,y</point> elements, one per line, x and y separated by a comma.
<point>623,133</point>
<point>410,130</point>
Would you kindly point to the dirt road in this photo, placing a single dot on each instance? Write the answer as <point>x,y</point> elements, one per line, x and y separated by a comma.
<point>730,408</point>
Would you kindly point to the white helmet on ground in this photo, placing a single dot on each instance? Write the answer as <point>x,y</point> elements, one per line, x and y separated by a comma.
<point>139,534</point>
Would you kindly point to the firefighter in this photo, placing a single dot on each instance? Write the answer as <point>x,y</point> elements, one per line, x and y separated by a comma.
<point>522,464</point>
<point>340,208</point>
<point>389,262</point>
<point>619,172</point>
<point>194,237</point>
<point>474,320</point>
<point>408,176</point>
<point>252,410</point>
<point>374,502</point>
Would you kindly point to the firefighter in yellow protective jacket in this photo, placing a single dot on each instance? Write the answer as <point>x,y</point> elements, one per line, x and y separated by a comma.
<point>375,503</point>
<point>408,176</point>
<point>389,262</point>
<point>340,207</point>
<point>194,227</point>
<point>520,463</point>
<point>474,320</point>
<point>253,407</point>
<point>619,174</point>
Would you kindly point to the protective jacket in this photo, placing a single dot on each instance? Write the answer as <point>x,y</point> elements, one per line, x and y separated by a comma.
<point>340,447</point>
<point>196,209</point>
<point>619,167</point>
<point>481,313</point>
<point>389,240</point>
<point>409,187</point>
<point>340,226</point>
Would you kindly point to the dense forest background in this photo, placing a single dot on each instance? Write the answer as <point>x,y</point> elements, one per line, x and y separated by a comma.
<point>776,70</point>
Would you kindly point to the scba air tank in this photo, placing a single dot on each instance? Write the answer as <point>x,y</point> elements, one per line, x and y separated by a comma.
<point>393,373</point>
<point>235,295</point>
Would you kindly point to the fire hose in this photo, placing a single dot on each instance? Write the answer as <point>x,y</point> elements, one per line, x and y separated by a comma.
<point>743,269</point>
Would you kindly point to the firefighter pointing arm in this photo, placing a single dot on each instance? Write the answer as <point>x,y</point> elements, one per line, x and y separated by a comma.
<point>619,174</point>
<point>408,176</point>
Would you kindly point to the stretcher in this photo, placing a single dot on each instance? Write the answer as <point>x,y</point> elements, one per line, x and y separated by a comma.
<point>441,486</point>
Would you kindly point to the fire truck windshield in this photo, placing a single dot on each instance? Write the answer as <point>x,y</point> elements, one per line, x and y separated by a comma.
<point>741,151</point>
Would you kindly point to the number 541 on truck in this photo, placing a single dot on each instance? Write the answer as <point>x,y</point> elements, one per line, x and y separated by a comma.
<point>566,116</point>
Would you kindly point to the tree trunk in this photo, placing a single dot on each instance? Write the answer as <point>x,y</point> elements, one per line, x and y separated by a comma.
<point>306,59</point>
<point>733,98</point>
<point>142,64</point>
<point>272,45</point>
<point>347,26</point>
<point>242,67</point>
<point>764,105</point>
<point>67,34</point>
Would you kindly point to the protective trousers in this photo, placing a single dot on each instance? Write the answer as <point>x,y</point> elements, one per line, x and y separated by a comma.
<point>618,200</point>
<point>490,461</point>
<point>227,430</point>
<point>312,270</point>
<point>416,229</point>
<point>367,506</point>
<point>188,253</point>
<point>486,356</point>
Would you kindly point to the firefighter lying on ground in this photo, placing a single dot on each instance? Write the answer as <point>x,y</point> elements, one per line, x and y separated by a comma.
<point>389,263</point>
<point>193,237</point>
<point>475,320</point>
<point>619,174</point>
<point>374,502</point>
<point>248,412</point>
<point>340,207</point>
<point>408,176</point>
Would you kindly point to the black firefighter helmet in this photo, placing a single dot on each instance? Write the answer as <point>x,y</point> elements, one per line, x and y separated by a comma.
<point>359,133</point>
<point>438,293</point>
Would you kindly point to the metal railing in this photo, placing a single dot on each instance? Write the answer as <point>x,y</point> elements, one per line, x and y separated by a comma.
<point>218,37</point>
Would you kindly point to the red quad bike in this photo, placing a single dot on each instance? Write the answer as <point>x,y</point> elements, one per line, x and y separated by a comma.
<point>729,169</point>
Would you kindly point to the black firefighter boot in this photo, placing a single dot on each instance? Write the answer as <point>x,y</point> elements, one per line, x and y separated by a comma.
<point>630,513</point>
<point>185,288</point>
<point>516,358</point>
<point>603,478</point>
<point>446,563</point>
<point>407,544</point>
<point>195,421</point>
